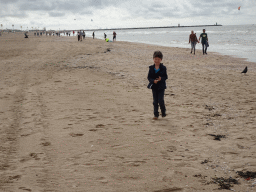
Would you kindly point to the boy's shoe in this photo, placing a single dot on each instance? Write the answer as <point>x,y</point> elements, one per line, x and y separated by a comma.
<point>155,118</point>
<point>163,114</point>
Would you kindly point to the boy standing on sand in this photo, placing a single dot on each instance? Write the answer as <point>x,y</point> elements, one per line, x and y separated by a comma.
<point>157,76</point>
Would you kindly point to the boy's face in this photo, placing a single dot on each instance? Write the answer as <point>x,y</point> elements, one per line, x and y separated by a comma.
<point>157,60</point>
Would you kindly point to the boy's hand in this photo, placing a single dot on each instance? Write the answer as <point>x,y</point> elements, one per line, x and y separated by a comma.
<point>159,79</point>
<point>155,81</point>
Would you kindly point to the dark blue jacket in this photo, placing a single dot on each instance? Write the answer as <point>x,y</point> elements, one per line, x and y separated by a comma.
<point>152,76</point>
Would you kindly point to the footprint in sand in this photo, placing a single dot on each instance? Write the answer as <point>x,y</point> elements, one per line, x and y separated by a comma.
<point>16,177</point>
<point>76,134</point>
<point>34,155</point>
<point>46,143</point>
<point>171,148</point>
<point>169,190</point>
<point>25,189</point>
<point>100,126</point>
<point>134,163</point>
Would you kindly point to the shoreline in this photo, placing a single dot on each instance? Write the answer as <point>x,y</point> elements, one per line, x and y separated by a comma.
<point>198,50</point>
<point>78,116</point>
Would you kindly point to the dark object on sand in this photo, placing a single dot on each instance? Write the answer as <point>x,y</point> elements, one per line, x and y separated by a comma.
<point>107,50</point>
<point>26,36</point>
<point>247,174</point>
<point>217,137</point>
<point>245,70</point>
<point>209,107</point>
<point>225,183</point>
<point>205,161</point>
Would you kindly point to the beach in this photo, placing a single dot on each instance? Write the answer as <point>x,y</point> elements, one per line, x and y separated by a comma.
<point>77,116</point>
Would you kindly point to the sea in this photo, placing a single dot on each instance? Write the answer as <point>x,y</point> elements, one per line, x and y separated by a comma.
<point>235,40</point>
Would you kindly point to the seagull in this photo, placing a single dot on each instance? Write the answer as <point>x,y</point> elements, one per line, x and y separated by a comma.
<point>245,70</point>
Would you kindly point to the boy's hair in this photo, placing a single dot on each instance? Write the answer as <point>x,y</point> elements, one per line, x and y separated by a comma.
<point>158,54</point>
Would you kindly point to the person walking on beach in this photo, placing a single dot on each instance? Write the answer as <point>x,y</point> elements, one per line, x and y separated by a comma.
<point>93,35</point>
<point>83,35</point>
<point>73,33</point>
<point>105,35</point>
<point>193,40</point>
<point>204,41</point>
<point>78,35</point>
<point>114,36</point>
<point>157,76</point>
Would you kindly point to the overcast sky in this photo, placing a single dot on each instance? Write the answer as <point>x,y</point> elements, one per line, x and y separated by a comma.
<point>88,14</point>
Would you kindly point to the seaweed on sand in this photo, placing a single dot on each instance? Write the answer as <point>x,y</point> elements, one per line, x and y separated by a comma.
<point>224,183</point>
<point>247,175</point>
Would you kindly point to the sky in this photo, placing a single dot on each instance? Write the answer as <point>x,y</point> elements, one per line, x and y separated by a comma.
<point>98,14</point>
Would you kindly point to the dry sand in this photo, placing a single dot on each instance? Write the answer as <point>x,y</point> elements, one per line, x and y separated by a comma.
<point>77,116</point>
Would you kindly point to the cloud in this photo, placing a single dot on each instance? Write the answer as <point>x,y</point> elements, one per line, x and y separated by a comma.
<point>56,14</point>
<point>8,1</point>
<point>123,13</point>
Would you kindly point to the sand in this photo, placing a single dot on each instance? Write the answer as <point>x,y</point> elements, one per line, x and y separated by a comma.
<point>77,116</point>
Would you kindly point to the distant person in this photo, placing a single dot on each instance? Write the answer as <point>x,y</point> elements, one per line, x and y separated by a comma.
<point>93,34</point>
<point>204,41</point>
<point>157,76</point>
<point>107,39</point>
<point>73,33</point>
<point>114,36</point>
<point>83,35</point>
<point>78,35</point>
<point>193,40</point>
<point>26,35</point>
<point>105,36</point>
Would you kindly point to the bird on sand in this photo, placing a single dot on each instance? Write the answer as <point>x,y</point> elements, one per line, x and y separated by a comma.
<point>245,70</point>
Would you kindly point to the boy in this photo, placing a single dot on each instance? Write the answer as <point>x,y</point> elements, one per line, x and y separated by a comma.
<point>157,76</point>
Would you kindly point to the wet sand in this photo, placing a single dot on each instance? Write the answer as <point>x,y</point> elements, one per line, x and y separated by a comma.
<point>77,116</point>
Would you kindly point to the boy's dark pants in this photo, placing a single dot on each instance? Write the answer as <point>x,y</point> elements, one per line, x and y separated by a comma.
<point>158,98</point>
